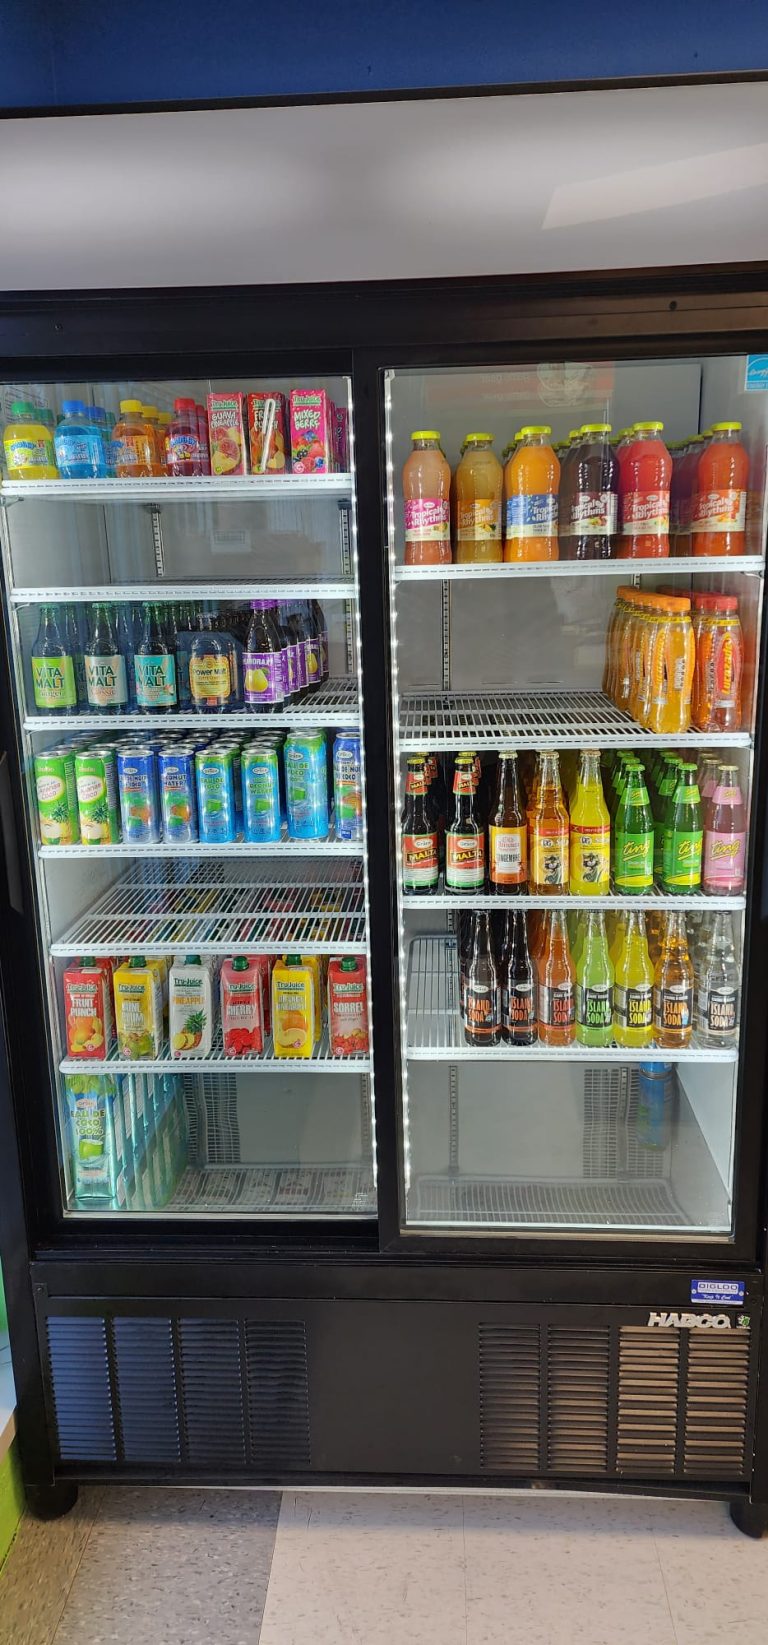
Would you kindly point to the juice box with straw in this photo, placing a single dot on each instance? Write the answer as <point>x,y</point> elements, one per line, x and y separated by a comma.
<point>267,432</point>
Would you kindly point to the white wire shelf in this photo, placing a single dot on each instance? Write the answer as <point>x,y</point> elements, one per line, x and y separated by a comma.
<point>321,1062</point>
<point>599,1205</point>
<point>626,569</point>
<point>535,719</point>
<point>278,849</point>
<point>280,1191</point>
<point>333,703</point>
<point>198,488</point>
<point>267,588</point>
<point>689,901</point>
<point>197,908</point>
<point>435,1032</point>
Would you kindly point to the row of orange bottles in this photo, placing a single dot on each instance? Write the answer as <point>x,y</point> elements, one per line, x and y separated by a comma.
<point>501,513</point>
<point>673,980</point>
<point>650,659</point>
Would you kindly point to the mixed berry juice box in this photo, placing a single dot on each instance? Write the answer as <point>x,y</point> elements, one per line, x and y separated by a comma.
<point>268,432</point>
<point>226,431</point>
<point>312,431</point>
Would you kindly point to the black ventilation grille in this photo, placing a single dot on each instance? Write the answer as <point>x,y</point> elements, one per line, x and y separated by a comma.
<point>212,1392</point>
<point>79,1367</point>
<point>625,1401</point>
<point>146,1390</point>
<point>278,1394</point>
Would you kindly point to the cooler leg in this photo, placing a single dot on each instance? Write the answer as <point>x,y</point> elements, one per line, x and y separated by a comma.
<point>750,1517</point>
<point>51,1501</point>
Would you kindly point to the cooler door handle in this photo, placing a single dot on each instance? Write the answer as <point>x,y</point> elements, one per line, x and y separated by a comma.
<point>8,836</point>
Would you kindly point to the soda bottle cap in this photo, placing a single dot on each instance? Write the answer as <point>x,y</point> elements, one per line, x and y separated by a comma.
<point>293,959</point>
<point>72,408</point>
<point>654,428</point>
<point>184,405</point>
<point>726,428</point>
<point>150,411</point>
<point>23,408</point>
<point>724,602</point>
<point>595,428</point>
<point>677,603</point>
<point>537,428</point>
<point>474,439</point>
<point>425,434</point>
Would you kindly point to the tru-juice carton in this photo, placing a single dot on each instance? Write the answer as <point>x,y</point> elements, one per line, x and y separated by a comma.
<point>312,432</point>
<point>86,1010</point>
<point>226,432</point>
<point>268,432</point>
<point>347,1007</point>
<point>242,1015</point>
<point>191,1008</point>
<point>293,1008</point>
<point>138,1010</point>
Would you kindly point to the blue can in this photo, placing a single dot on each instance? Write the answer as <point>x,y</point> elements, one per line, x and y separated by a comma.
<point>139,799</point>
<point>261,792</point>
<point>178,794</point>
<point>215,780</point>
<point>348,785</point>
<point>306,785</point>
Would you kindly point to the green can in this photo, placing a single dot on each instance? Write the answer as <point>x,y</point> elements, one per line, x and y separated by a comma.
<point>97,796</point>
<point>56,790</point>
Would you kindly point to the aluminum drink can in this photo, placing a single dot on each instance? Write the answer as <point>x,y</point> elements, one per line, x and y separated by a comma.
<point>261,793</point>
<point>56,790</point>
<point>348,785</point>
<point>306,785</point>
<point>139,800</point>
<point>178,794</point>
<point>97,798</point>
<point>215,781</point>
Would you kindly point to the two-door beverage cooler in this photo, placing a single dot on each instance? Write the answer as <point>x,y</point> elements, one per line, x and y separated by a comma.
<point>383,949</point>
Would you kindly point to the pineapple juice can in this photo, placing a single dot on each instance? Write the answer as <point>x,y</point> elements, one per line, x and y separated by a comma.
<point>56,790</point>
<point>97,799</point>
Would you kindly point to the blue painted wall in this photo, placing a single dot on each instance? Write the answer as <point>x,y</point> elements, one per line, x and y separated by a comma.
<point>66,52</point>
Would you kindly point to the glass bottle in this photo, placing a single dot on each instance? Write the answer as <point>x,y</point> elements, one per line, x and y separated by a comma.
<point>594,985</point>
<point>725,836</point>
<point>673,988</point>
<point>419,834</point>
<point>518,993</point>
<point>479,484</point>
<point>590,831</point>
<point>556,985</point>
<point>106,679</point>
<point>465,837</point>
<point>549,830</point>
<point>719,987</point>
<point>685,834</point>
<point>263,673</point>
<point>53,666</point>
<point>154,664</point>
<point>481,1010</point>
<point>426,497</point>
<point>633,986</point>
<point>633,835</point>
<point>508,833</point>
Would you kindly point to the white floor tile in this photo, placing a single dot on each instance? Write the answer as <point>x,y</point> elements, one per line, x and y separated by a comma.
<point>716,1578</point>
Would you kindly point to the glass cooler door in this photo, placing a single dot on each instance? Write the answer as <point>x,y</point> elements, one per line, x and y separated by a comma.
<point>189,700</point>
<point>573,761</point>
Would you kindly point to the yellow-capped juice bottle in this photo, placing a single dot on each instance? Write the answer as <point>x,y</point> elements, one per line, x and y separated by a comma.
<point>633,986</point>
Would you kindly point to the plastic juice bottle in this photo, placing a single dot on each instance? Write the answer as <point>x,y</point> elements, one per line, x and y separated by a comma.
<point>700,611</point>
<point>427,501</point>
<point>133,444</point>
<point>612,635</point>
<point>190,1004</point>
<point>28,444</point>
<point>556,985</point>
<point>681,869</point>
<point>78,444</point>
<point>725,836</point>
<point>672,664</point>
<point>633,833</point>
<point>720,496</point>
<point>531,486</point>
<point>633,986</point>
<point>479,485</point>
<point>673,988</point>
<point>624,649</point>
<point>594,985</point>
<point>639,640</point>
<point>182,453</point>
<point>645,476</point>
<point>719,666</point>
<point>138,1010</point>
<point>593,500</point>
<point>549,831</point>
<point>293,1008</point>
<point>590,841</point>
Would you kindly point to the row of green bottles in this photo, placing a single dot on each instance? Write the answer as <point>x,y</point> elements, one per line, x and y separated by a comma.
<point>657,832</point>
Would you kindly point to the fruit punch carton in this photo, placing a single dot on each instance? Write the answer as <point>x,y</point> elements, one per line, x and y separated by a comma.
<point>226,427</point>
<point>312,431</point>
<point>268,432</point>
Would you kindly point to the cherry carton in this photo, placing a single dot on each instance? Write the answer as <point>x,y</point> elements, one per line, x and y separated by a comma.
<point>312,431</point>
<point>226,432</point>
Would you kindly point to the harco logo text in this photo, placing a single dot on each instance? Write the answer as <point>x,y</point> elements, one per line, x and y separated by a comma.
<point>691,1322</point>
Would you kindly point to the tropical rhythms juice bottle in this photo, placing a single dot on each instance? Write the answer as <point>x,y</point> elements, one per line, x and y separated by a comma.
<point>633,986</point>
<point>720,493</point>
<point>590,844</point>
<point>645,477</point>
<point>549,831</point>
<point>531,485</point>
<point>589,532</point>
<point>479,483</point>
<point>426,495</point>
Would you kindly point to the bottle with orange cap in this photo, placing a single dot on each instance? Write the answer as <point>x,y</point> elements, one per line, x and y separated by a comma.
<point>672,661</point>
<point>719,670</point>
<point>719,509</point>
<point>531,485</point>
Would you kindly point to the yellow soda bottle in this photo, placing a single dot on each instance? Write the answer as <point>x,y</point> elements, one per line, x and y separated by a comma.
<point>590,831</point>
<point>633,987</point>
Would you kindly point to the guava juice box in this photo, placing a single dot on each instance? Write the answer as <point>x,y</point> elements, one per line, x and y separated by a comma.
<point>226,428</point>
<point>312,431</point>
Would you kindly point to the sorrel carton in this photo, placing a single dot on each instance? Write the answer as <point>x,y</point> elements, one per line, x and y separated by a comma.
<point>312,431</point>
<point>87,1012</point>
<point>226,428</point>
<point>347,1007</point>
<point>268,432</point>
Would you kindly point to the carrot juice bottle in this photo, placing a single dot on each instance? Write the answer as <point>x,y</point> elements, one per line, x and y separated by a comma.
<point>720,493</point>
<point>672,661</point>
<point>645,476</point>
<point>531,485</point>
<point>479,485</point>
<point>426,495</point>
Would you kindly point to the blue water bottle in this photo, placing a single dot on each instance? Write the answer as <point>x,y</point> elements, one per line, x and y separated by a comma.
<point>79,444</point>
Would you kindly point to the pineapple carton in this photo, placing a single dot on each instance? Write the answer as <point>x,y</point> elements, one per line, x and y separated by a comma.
<point>190,999</point>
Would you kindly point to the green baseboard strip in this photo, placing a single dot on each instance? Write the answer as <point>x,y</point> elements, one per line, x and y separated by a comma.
<point>11,1498</point>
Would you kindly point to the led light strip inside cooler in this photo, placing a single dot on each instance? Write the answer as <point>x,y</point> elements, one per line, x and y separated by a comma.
<point>160,908</point>
<point>435,1031</point>
<point>534,719</point>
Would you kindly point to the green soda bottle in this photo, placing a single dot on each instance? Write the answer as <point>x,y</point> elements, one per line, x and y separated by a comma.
<point>665,791</point>
<point>594,985</point>
<point>634,835</point>
<point>683,839</point>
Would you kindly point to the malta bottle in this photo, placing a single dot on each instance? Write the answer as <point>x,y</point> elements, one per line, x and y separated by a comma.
<point>518,1001</point>
<point>717,995</point>
<point>419,833</point>
<point>590,844</point>
<point>633,835</point>
<point>507,830</point>
<point>53,666</point>
<point>106,680</point>
<point>465,838</point>
<point>154,665</point>
<point>556,984</point>
<point>549,827</point>
<point>594,985</point>
<point>673,988</point>
<point>633,986</point>
<point>481,995</point>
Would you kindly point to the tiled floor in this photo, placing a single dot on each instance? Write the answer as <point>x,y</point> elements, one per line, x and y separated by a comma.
<point>155,1567</point>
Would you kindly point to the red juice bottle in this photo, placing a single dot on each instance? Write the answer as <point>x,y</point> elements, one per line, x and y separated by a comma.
<point>183,445</point>
<point>645,477</point>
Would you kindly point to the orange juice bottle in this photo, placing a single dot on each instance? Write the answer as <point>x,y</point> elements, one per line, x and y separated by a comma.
<point>531,486</point>
<point>720,493</point>
<point>479,484</point>
<point>672,660</point>
<point>625,649</point>
<point>616,624</point>
<point>133,443</point>
<point>635,654</point>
